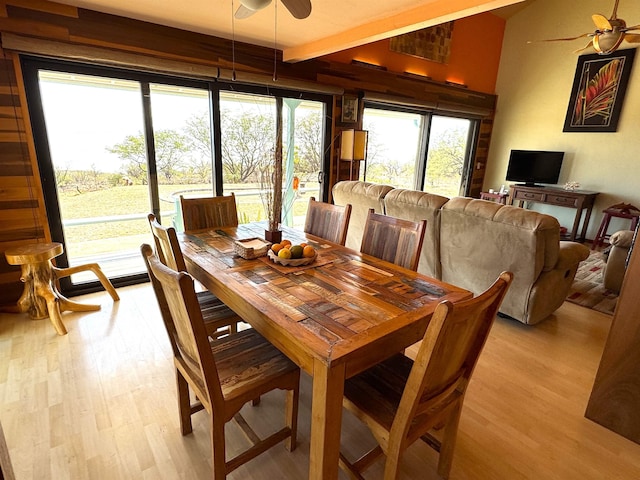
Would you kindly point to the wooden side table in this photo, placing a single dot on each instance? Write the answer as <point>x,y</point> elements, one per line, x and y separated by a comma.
<point>620,210</point>
<point>494,197</point>
<point>41,298</point>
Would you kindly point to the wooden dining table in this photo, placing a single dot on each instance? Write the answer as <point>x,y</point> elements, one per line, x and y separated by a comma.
<point>336,317</point>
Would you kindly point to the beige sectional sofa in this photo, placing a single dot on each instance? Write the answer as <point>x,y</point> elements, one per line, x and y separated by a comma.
<point>469,242</point>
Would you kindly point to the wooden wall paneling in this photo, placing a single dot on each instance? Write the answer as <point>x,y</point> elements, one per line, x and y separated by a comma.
<point>22,212</point>
<point>479,167</point>
<point>615,398</point>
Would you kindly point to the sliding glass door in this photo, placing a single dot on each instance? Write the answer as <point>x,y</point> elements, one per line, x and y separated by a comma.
<point>102,192</point>
<point>248,129</point>
<point>114,145</point>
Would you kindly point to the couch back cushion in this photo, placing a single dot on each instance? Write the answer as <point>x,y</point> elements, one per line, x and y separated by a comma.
<point>362,196</point>
<point>479,239</point>
<point>416,206</point>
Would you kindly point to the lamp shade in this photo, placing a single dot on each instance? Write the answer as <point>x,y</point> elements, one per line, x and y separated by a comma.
<point>353,145</point>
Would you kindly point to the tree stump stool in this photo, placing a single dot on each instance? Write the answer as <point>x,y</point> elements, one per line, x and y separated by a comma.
<point>40,297</point>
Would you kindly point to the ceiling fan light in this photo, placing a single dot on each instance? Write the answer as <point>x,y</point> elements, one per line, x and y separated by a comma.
<point>606,43</point>
<point>255,4</point>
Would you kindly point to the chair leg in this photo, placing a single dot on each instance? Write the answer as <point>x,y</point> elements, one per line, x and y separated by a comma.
<point>184,404</point>
<point>218,456</point>
<point>449,436</point>
<point>392,462</point>
<point>95,268</point>
<point>291,413</point>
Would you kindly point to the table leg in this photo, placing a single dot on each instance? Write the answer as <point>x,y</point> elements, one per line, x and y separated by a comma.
<point>326,420</point>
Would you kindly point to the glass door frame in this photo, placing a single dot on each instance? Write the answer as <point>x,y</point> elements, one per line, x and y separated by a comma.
<point>31,65</point>
<point>421,164</point>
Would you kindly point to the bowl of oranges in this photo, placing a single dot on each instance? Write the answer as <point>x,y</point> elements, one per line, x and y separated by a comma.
<point>290,255</point>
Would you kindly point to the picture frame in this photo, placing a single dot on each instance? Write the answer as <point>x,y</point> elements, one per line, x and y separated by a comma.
<point>599,86</point>
<point>349,109</point>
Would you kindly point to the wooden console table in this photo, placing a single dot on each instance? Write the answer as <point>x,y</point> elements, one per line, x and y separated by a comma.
<point>581,200</point>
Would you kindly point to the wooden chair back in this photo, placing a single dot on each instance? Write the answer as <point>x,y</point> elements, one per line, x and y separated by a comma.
<point>328,221</point>
<point>209,212</point>
<point>430,389</point>
<point>187,333</point>
<point>393,239</point>
<point>167,245</point>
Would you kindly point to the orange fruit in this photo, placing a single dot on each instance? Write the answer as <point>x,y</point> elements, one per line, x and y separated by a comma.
<point>276,247</point>
<point>284,253</point>
<point>285,242</point>
<point>308,251</point>
<point>303,244</point>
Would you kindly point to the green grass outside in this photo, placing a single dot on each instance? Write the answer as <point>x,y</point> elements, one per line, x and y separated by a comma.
<point>106,237</point>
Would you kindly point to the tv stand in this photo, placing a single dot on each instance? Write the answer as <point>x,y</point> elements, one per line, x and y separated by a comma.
<point>581,200</point>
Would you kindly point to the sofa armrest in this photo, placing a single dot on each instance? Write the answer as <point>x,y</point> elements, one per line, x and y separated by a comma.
<point>571,253</point>
<point>622,238</point>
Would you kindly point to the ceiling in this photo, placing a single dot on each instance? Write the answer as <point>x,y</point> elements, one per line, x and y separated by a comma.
<point>333,25</point>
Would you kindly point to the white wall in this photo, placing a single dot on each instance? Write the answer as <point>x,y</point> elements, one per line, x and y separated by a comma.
<point>533,88</point>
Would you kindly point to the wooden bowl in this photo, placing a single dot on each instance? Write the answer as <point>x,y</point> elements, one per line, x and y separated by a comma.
<point>290,262</point>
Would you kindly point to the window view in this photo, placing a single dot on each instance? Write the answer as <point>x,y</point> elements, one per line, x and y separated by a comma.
<point>395,150</point>
<point>182,143</point>
<point>248,137</point>
<point>121,148</point>
<point>447,155</point>
<point>94,130</point>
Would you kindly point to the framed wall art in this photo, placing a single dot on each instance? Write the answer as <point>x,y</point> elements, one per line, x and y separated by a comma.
<point>598,91</point>
<point>349,109</point>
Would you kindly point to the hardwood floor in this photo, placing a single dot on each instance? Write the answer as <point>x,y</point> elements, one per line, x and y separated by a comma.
<point>99,403</point>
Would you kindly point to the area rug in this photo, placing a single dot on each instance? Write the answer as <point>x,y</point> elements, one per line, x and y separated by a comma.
<point>588,289</point>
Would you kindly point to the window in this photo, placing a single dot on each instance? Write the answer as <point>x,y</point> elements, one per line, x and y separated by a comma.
<point>114,145</point>
<point>418,150</point>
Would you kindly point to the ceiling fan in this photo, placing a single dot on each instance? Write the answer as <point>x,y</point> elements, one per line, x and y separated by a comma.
<point>298,8</point>
<point>609,33</point>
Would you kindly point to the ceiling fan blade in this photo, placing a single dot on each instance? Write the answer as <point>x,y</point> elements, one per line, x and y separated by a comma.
<point>590,44</point>
<point>602,22</point>
<point>635,27</point>
<point>298,8</point>
<point>632,38</point>
<point>243,12</point>
<point>565,39</point>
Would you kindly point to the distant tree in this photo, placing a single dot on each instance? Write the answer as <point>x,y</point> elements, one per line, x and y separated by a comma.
<point>446,156</point>
<point>309,146</point>
<point>247,143</point>
<point>198,134</point>
<point>134,151</point>
<point>171,148</point>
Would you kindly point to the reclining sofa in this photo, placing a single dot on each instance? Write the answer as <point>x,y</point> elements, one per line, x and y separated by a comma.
<point>468,242</point>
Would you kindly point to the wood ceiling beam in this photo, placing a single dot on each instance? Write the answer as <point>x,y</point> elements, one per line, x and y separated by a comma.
<point>427,15</point>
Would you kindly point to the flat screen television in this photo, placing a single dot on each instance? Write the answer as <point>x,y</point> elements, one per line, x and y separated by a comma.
<point>532,167</point>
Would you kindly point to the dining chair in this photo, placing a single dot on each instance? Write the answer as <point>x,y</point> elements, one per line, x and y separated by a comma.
<point>224,374</point>
<point>393,239</point>
<point>328,221</point>
<point>401,400</point>
<point>219,318</point>
<point>209,212</point>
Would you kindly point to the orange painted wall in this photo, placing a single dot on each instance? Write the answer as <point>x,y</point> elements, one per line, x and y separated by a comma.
<point>475,54</point>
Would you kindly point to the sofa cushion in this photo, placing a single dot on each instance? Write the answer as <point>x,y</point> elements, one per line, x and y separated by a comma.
<point>416,206</point>
<point>362,196</point>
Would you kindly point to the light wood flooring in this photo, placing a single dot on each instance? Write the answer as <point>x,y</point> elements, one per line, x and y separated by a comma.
<point>99,403</point>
